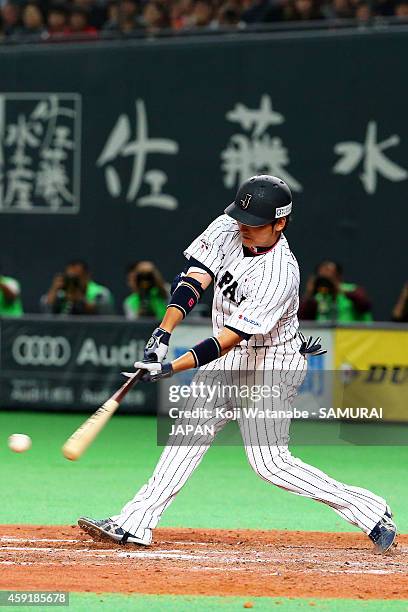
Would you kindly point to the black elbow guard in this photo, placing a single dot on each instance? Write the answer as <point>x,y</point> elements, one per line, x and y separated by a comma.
<point>186,295</point>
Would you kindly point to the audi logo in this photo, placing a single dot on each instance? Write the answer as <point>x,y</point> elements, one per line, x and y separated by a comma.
<point>41,350</point>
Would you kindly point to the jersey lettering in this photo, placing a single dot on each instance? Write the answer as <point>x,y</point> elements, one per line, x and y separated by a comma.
<point>229,292</point>
<point>230,289</point>
<point>225,279</point>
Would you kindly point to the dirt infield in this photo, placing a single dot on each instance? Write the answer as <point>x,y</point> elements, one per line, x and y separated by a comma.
<point>204,562</point>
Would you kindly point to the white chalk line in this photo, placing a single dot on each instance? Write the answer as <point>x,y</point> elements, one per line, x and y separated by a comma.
<point>50,540</point>
<point>239,562</point>
<point>287,547</point>
<point>20,563</point>
<point>57,540</point>
<point>158,554</point>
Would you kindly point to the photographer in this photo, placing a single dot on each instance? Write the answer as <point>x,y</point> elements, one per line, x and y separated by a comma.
<point>10,299</point>
<point>149,295</point>
<point>328,298</point>
<point>75,293</point>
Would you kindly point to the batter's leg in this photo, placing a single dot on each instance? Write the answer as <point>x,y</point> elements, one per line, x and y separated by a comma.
<point>266,447</point>
<point>176,464</point>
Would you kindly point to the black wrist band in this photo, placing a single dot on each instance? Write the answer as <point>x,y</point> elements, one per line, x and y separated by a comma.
<point>167,370</point>
<point>206,351</point>
<point>163,337</point>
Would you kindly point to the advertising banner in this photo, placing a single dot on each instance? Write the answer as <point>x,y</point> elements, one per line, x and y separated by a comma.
<point>69,365</point>
<point>374,363</point>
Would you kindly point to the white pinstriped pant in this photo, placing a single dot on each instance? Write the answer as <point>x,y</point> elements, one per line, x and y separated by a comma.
<point>265,444</point>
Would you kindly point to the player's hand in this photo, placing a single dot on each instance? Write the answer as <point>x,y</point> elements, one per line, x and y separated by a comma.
<point>310,346</point>
<point>154,370</point>
<point>157,346</point>
<point>58,282</point>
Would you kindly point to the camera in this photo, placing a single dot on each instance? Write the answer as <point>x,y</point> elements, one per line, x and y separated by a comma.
<point>71,283</point>
<point>145,281</point>
<point>324,286</point>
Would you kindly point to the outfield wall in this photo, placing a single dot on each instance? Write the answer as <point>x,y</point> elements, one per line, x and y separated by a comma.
<point>125,150</point>
<point>65,364</point>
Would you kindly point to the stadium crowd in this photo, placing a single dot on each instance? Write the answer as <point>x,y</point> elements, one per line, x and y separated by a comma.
<point>53,20</point>
<point>327,297</point>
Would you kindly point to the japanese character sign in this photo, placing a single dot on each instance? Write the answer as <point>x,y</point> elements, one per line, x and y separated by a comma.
<point>256,150</point>
<point>371,155</point>
<point>40,153</point>
<point>121,144</point>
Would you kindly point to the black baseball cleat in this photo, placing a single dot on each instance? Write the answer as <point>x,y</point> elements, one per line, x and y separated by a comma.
<point>384,533</point>
<point>106,529</point>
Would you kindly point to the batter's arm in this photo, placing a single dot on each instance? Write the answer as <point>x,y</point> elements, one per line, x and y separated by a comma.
<point>174,315</point>
<point>226,338</point>
<point>185,296</point>
<point>206,351</point>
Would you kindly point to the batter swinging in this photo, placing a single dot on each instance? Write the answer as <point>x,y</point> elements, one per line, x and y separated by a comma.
<point>256,285</point>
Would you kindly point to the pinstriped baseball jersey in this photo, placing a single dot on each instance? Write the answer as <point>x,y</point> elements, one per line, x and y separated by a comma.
<point>257,295</point>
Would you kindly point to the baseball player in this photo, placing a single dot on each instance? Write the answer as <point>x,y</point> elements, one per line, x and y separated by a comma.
<point>245,254</point>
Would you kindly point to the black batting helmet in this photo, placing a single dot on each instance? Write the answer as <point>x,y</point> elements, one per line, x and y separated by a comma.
<point>261,200</point>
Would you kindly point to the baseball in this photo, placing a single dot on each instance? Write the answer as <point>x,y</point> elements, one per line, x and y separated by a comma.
<point>19,443</point>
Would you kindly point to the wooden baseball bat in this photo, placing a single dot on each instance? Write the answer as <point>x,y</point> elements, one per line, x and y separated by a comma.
<point>77,444</point>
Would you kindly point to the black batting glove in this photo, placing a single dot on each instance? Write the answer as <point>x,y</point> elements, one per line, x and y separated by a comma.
<point>310,346</point>
<point>157,346</point>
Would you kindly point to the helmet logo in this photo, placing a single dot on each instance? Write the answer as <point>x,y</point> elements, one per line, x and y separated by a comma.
<point>245,202</point>
<point>283,211</point>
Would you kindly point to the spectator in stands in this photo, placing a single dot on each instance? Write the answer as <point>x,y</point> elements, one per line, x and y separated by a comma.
<point>363,12</point>
<point>57,20</point>
<point>228,16</point>
<point>152,16</point>
<point>180,14</point>
<point>10,297</point>
<point>149,295</point>
<point>79,22</point>
<point>33,21</point>
<point>112,22</point>
<point>259,11</point>
<point>11,18</point>
<point>75,293</point>
<point>129,15</point>
<point>401,10</point>
<point>202,14</point>
<point>95,12</point>
<point>303,10</point>
<point>328,298</point>
<point>127,18</point>
<point>400,310</point>
<point>338,9</point>
<point>155,17</point>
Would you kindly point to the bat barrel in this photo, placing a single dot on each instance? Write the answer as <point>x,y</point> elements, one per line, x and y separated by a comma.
<point>77,444</point>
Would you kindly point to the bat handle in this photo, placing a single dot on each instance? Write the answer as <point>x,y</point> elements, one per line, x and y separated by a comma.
<point>120,393</point>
